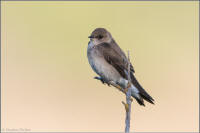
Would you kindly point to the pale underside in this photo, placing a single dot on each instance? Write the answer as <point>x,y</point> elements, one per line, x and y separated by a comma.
<point>105,70</point>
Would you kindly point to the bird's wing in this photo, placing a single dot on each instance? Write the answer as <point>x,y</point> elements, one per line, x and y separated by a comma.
<point>120,62</point>
<point>122,54</point>
<point>117,59</point>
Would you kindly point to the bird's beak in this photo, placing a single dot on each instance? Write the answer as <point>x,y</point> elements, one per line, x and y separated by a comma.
<point>91,36</point>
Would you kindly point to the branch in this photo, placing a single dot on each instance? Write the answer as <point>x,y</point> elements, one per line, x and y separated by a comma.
<point>128,100</point>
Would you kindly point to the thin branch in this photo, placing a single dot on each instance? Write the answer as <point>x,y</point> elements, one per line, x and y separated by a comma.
<point>128,100</point>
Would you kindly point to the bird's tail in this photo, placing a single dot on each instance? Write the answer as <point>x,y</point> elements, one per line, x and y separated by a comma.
<point>136,94</point>
<point>140,100</point>
<point>139,93</point>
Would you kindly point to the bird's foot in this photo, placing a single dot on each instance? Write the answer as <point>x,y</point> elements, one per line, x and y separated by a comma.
<point>102,80</point>
<point>120,88</point>
<point>128,86</point>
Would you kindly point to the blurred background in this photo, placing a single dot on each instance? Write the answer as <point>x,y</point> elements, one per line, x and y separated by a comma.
<point>48,85</point>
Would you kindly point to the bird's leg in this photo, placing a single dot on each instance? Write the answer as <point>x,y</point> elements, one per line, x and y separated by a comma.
<point>128,85</point>
<point>120,88</point>
<point>115,85</point>
<point>102,80</point>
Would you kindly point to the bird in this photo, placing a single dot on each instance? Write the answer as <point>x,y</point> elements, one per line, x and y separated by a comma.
<point>109,61</point>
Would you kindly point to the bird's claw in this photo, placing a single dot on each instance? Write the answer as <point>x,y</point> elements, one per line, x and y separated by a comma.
<point>128,86</point>
<point>102,80</point>
<point>99,78</point>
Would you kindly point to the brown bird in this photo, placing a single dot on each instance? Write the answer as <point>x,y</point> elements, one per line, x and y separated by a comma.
<point>111,64</point>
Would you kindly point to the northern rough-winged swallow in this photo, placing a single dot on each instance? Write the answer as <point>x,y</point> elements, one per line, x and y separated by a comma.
<point>111,64</point>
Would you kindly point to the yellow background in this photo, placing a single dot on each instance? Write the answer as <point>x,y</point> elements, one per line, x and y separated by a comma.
<point>48,85</point>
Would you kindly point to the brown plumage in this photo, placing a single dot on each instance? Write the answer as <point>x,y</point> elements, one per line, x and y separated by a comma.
<point>106,48</point>
<point>116,57</point>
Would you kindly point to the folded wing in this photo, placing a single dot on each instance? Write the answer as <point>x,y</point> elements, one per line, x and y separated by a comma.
<point>116,57</point>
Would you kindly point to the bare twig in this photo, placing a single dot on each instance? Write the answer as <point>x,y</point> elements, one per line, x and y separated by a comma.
<point>128,100</point>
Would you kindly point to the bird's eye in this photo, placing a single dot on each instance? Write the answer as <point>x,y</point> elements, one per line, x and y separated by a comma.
<point>100,36</point>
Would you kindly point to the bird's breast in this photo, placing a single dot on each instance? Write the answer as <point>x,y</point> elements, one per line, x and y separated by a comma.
<point>94,59</point>
<point>100,65</point>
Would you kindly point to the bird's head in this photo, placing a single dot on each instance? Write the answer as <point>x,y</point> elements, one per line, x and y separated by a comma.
<point>100,35</point>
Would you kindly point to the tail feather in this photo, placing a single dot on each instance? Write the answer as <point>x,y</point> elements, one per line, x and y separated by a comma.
<point>150,100</point>
<point>143,94</point>
<point>140,101</point>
